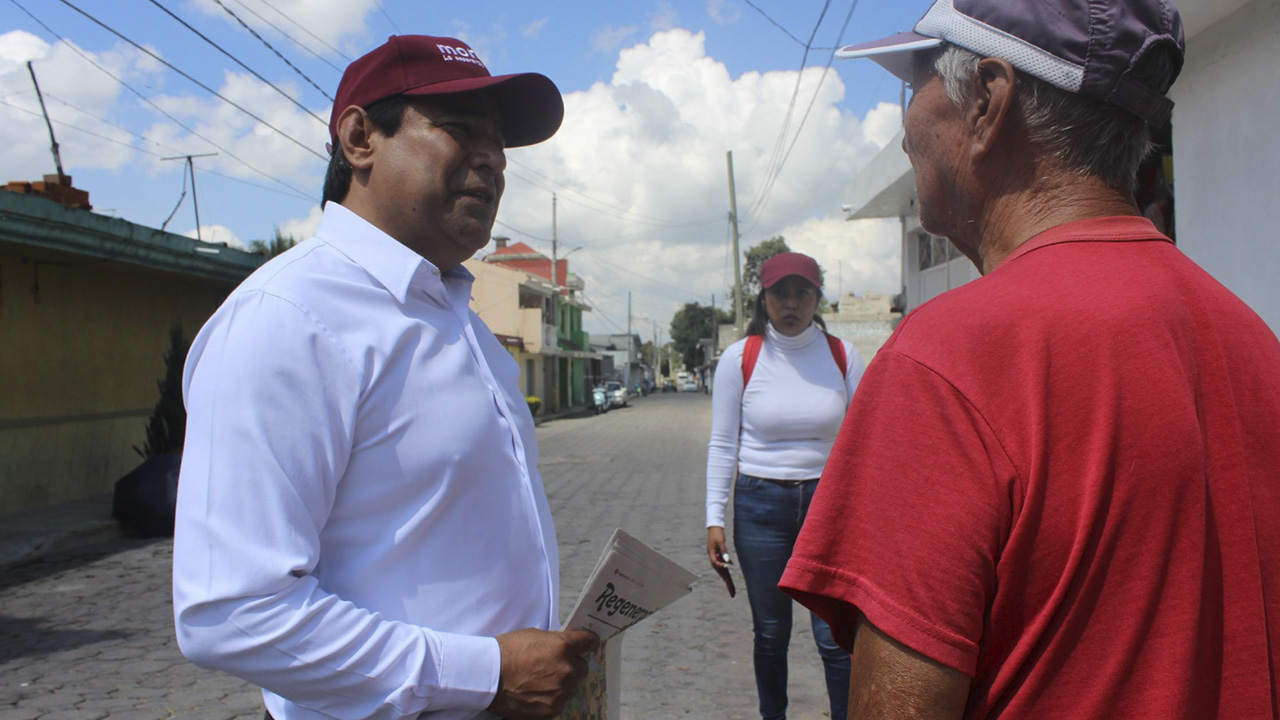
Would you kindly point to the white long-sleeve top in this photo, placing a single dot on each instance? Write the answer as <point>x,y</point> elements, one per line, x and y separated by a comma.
<point>360,511</point>
<point>785,423</point>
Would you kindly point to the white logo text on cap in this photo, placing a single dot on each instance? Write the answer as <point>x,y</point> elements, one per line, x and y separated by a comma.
<point>459,54</point>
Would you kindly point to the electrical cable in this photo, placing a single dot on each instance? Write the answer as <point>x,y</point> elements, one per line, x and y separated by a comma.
<point>562,188</point>
<point>775,158</point>
<point>303,28</point>
<point>812,101</point>
<point>171,150</point>
<point>278,54</point>
<point>291,38</point>
<point>204,87</point>
<point>151,104</point>
<point>237,61</point>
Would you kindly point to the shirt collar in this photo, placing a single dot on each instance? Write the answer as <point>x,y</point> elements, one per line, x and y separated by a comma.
<point>1115,228</point>
<point>387,260</point>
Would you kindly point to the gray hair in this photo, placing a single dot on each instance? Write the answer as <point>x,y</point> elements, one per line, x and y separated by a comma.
<point>1086,136</point>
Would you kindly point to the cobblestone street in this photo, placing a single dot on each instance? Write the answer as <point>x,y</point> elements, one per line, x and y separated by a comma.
<point>88,635</point>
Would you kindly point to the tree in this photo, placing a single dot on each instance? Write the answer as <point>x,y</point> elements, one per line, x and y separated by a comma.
<point>278,244</point>
<point>168,424</point>
<point>692,323</point>
<point>754,258</point>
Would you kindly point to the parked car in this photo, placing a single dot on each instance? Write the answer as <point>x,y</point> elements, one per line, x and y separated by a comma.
<point>617,393</point>
<point>689,385</point>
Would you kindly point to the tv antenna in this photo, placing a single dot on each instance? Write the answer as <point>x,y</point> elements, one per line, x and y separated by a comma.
<point>189,169</point>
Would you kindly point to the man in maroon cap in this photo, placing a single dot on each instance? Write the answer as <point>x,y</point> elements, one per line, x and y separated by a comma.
<point>1055,495</point>
<point>362,530</point>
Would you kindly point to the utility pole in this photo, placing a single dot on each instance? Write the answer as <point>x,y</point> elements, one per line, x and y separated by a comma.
<point>57,158</point>
<point>555,309</point>
<point>737,266</point>
<point>630,343</point>
<point>195,203</point>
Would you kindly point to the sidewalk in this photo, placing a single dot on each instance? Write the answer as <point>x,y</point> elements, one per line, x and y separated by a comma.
<point>29,534</point>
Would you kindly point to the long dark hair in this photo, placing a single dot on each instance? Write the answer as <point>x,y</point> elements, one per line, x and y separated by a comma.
<point>760,316</point>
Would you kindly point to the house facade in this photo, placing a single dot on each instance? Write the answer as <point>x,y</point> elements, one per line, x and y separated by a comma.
<point>567,366</point>
<point>1220,163</point>
<point>86,304</point>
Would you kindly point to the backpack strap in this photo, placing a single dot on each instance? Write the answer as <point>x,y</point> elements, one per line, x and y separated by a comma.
<point>751,351</point>
<point>749,354</point>
<point>837,352</point>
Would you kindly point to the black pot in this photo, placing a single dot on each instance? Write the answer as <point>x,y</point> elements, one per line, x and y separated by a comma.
<point>147,497</point>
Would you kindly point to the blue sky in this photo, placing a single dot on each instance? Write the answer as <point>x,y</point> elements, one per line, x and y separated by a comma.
<point>656,94</point>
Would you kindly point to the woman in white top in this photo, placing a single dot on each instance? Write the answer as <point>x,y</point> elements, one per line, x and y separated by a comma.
<point>778,399</point>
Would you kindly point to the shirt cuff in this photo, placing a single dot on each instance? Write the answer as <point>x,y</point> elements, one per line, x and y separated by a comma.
<point>470,667</point>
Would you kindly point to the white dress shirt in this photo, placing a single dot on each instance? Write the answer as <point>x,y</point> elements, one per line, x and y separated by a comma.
<point>785,423</point>
<point>360,511</point>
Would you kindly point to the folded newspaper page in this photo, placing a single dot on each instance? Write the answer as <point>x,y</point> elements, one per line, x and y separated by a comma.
<point>630,582</point>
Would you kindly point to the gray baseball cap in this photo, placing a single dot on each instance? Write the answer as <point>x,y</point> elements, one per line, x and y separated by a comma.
<point>1089,47</point>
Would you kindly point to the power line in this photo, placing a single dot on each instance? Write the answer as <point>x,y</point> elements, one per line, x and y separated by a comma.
<point>812,101</point>
<point>294,194</point>
<point>388,17</point>
<point>284,59</point>
<point>303,28</point>
<point>291,38</point>
<point>204,87</point>
<point>151,104</point>
<point>775,162</point>
<point>785,31</point>
<point>237,61</point>
<point>559,187</point>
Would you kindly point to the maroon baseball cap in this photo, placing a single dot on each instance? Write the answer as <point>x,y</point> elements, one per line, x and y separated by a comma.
<point>418,65</point>
<point>784,265</point>
<point>1082,46</point>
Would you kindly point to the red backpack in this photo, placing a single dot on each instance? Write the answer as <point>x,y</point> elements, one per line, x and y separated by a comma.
<point>752,351</point>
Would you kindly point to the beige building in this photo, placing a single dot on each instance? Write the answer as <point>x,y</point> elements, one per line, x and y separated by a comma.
<point>516,306</point>
<point>865,321</point>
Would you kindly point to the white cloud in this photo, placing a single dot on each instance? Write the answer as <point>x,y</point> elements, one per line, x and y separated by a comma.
<point>301,228</point>
<point>609,39</point>
<point>80,99</point>
<point>245,147</point>
<point>329,24</point>
<point>639,168</point>
<point>217,234</point>
<point>534,29</point>
<point>723,11</point>
<point>664,17</point>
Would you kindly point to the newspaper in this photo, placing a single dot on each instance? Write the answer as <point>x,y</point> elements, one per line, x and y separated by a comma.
<point>630,582</point>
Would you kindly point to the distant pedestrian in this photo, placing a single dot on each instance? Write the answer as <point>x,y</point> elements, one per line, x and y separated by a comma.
<point>362,530</point>
<point>1057,495</point>
<point>779,397</point>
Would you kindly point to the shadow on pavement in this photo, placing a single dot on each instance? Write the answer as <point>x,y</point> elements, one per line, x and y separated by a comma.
<point>33,637</point>
<point>59,561</point>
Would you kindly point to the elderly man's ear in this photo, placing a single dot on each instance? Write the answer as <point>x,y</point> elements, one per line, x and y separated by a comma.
<point>992,102</point>
<point>354,133</point>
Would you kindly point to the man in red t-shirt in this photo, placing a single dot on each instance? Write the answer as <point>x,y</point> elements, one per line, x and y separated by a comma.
<point>1056,494</point>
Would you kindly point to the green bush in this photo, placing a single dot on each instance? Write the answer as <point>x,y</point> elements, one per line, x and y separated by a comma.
<point>535,404</point>
<point>168,424</point>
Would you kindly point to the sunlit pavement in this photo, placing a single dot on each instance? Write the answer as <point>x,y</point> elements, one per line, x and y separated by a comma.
<point>87,634</point>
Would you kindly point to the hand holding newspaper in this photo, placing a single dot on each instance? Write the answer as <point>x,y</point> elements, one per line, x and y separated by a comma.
<point>630,582</point>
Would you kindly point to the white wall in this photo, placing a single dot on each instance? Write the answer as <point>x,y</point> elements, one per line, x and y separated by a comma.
<point>1226,154</point>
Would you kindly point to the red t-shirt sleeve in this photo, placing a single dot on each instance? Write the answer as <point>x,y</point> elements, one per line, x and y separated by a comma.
<point>909,517</point>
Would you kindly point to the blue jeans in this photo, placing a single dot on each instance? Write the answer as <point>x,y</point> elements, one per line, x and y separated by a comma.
<point>766,519</point>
